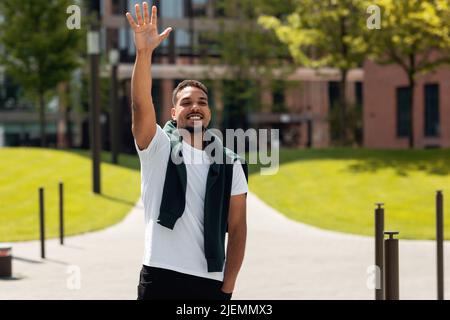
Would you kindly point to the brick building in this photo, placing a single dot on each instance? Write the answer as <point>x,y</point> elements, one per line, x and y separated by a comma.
<point>387,108</point>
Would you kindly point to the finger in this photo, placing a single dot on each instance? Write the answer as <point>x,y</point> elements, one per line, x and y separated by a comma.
<point>165,34</point>
<point>131,21</point>
<point>139,15</point>
<point>146,15</point>
<point>154,20</point>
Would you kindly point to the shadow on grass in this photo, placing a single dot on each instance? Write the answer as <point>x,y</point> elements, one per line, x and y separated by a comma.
<point>129,161</point>
<point>117,199</point>
<point>432,161</point>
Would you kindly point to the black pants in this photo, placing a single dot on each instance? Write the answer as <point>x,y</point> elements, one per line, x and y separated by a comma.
<point>163,284</point>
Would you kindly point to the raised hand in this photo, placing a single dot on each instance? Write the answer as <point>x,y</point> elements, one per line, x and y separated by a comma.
<point>146,37</point>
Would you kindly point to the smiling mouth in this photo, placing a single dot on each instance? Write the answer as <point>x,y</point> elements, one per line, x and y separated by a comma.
<point>195,116</point>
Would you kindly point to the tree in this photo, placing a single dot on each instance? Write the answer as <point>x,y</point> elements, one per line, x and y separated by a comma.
<point>40,50</point>
<point>415,35</point>
<point>249,52</point>
<point>325,33</point>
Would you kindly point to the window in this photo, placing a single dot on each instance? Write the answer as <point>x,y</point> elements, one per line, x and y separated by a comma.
<point>403,111</point>
<point>183,41</point>
<point>199,8</point>
<point>359,93</point>
<point>219,8</point>
<point>334,93</point>
<point>432,110</point>
<point>278,96</point>
<point>172,9</point>
<point>118,7</point>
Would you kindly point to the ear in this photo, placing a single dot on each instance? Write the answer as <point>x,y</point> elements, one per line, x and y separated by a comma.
<point>172,112</point>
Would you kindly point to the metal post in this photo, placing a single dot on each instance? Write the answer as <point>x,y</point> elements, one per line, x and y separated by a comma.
<point>114,58</point>
<point>61,213</point>
<point>379,251</point>
<point>95,123</point>
<point>93,50</point>
<point>114,117</point>
<point>41,221</point>
<point>391,266</point>
<point>440,244</point>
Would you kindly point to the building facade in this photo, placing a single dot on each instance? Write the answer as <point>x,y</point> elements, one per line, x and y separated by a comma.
<point>387,108</point>
<point>298,107</point>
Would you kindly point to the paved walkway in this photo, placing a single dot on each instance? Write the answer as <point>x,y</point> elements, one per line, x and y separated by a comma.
<point>284,260</point>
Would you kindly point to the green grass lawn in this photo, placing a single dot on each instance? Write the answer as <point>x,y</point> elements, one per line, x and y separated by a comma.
<point>333,189</point>
<point>336,189</point>
<point>24,170</point>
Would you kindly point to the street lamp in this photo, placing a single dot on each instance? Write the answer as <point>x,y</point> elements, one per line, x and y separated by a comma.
<point>114,127</point>
<point>93,50</point>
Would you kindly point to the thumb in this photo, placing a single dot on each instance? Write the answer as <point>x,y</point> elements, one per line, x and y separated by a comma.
<point>165,34</point>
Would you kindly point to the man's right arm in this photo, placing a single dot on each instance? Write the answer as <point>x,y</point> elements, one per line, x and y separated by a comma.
<point>142,109</point>
<point>146,39</point>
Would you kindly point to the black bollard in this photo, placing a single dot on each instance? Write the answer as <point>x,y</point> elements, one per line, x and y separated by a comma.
<point>391,266</point>
<point>41,221</point>
<point>61,213</point>
<point>379,251</point>
<point>440,244</point>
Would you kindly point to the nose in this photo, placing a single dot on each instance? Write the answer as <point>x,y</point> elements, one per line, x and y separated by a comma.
<point>195,107</point>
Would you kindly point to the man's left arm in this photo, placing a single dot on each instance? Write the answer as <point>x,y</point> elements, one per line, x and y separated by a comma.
<point>237,235</point>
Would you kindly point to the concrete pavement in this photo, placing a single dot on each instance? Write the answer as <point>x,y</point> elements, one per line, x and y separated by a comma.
<point>284,260</point>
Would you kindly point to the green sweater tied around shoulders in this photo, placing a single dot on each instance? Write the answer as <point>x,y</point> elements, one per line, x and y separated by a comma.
<point>217,197</point>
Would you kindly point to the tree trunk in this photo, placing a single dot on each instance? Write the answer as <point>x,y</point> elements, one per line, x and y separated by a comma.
<point>412,86</point>
<point>343,107</point>
<point>42,120</point>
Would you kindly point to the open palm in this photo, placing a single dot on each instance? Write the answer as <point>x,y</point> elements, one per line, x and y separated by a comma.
<point>146,37</point>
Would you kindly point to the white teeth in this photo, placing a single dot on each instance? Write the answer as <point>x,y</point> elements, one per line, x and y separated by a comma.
<point>195,117</point>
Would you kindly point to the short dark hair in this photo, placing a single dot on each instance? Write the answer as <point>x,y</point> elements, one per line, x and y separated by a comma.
<point>187,83</point>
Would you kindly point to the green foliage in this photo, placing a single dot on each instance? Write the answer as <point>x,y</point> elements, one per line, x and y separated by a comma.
<point>249,51</point>
<point>411,31</point>
<point>323,33</point>
<point>40,50</point>
<point>353,121</point>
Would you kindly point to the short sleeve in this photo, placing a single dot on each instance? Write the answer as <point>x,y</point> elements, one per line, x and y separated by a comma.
<point>239,184</point>
<point>159,142</point>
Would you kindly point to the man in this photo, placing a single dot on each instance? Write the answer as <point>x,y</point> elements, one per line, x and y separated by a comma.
<point>189,204</point>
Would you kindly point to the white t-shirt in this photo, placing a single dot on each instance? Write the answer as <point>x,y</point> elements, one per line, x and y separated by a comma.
<point>180,249</point>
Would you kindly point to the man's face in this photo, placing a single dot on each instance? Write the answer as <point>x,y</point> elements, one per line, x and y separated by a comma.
<point>192,109</point>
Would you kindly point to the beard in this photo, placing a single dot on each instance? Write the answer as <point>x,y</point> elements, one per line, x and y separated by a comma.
<point>192,129</point>
<point>195,128</point>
